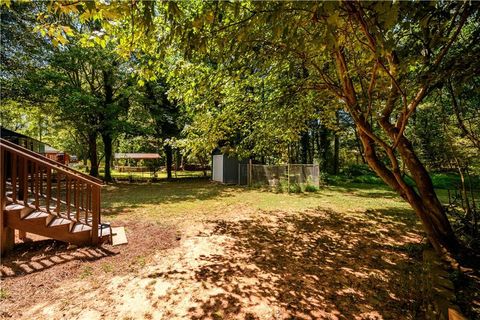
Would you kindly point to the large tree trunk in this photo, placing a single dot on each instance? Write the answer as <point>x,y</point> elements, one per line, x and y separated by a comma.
<point>424,200</point>
<point>92,154</point>
<point>107,142</point>
<point>169,160</point>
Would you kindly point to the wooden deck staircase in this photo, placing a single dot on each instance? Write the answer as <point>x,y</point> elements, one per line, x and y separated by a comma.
<point>44,197</point>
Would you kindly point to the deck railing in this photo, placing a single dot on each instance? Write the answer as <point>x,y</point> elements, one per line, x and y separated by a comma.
<point>36,181</point>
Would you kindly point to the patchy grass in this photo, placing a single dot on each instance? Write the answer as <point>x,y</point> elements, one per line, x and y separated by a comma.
<point>147,175</point>
<point>3,294</point>
<point>86,272</point>
<point>188,200</point>
<point>346,251</point>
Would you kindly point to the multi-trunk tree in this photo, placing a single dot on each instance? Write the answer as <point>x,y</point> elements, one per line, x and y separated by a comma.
<point>379,60</point>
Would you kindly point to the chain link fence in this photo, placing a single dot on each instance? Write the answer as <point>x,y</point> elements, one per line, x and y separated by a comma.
<point>281,178</point>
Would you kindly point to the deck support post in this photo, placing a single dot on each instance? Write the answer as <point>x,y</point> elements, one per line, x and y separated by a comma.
<point>7,235</point>
<point>95,213</point>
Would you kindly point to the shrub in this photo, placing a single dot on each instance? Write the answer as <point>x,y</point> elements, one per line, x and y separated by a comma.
<point>356,170</point>
<point>368,179</point>
<point>311,188</point>
<point>295,188</point>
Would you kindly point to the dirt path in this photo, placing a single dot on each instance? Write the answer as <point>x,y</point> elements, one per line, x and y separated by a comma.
<point>274,265</point>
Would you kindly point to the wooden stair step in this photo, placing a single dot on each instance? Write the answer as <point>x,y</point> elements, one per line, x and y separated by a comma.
<point>44,208</point>
<point>36,215</point>
<point>14,207</point>
<point>56,222</point>
<point>80,227</point>
<point>104,230</point>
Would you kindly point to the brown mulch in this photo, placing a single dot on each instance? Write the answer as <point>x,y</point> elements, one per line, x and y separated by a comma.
<point>33,269</point>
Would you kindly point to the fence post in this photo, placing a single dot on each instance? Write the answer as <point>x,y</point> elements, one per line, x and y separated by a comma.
<point>318,174</point>
<point>250,169</point>
<point>288,177</point>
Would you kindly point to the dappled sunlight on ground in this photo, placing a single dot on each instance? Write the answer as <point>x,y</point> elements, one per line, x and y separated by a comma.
<point>234,253</point>
<point>315,264</point>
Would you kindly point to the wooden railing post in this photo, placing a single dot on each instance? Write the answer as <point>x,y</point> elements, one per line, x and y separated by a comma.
<point>7,235</point>
<point>95,213</point>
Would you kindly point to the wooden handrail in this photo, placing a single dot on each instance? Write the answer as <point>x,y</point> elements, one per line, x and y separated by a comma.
<point>38,182</point>
<point>15,148</point>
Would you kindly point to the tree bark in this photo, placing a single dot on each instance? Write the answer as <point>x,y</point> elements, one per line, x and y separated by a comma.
<point>106,129</point>
<point>107,142</point>
<point>324,149</point>
<point>92,154</point>
<point>425,203</point>
<point>169,160</point>
<point>304,142</point>
<point>424,200</point>
<point>336,154</point>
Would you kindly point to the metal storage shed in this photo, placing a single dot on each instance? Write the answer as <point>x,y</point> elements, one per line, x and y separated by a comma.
<point>225,168</point>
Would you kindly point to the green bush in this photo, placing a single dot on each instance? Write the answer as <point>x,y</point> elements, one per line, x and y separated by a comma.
<point>295,188</point>
<point>311,188</point>
<point>356,170</point>
<point>368,179</point>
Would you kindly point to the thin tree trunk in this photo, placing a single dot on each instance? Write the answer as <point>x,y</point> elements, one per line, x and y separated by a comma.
<point>359,146</point>
<point>107,142</point>
<point>169,160</point>
<point>106,123</point>
<point>324,149</point>
<point>461,123</point>
<point>92,154</point>
<point>336,154</point>
<point>304,142</point>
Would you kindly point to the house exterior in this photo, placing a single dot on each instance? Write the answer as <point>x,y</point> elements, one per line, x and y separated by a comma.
<point>22,140</point>
<point>57,155</point>
<point>35,145</point>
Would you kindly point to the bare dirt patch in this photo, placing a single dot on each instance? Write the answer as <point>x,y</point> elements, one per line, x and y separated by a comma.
<point>314,264</point>
<point>35,269</point>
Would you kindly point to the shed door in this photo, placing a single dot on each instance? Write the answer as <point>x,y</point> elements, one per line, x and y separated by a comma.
<point>217,174</point>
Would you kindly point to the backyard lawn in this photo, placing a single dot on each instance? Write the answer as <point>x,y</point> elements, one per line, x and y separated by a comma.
<point>202,250</point>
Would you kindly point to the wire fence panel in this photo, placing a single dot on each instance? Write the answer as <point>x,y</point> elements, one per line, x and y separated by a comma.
<point>267,175</point>
<point>305,174</point>
<point>285,177</point>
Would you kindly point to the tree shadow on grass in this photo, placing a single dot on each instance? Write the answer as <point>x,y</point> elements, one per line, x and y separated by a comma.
<point>316,265</point>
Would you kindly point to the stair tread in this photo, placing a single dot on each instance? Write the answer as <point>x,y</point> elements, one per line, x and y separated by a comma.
<point>104,230</point>
<point>45,207</point>
<point>59,222</point>
<point>36,215</point>
<point>14,206</point>
<point>80,227</point>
